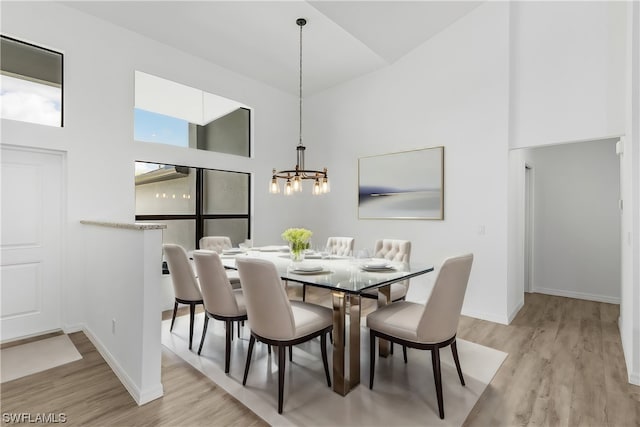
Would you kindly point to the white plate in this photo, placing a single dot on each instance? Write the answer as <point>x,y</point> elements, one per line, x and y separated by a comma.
<point>376,263</point>
<point>232,251</point>
<point>303,272</point>
<point>308,267</point>
<point>272,248</point>
<point>381,269</point>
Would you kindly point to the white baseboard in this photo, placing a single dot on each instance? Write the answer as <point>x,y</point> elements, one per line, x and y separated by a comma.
<point>491,317</point>
<point>514,312</point>
<point>70,329</point>
<point>140,396</point>
<point>577,295</point>
<point>148,395</point>
<point>634,378</point>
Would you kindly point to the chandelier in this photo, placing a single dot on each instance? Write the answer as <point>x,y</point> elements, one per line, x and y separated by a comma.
<point>293,177</point>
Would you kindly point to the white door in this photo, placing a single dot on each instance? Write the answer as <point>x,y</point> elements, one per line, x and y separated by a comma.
<point>30,241</point>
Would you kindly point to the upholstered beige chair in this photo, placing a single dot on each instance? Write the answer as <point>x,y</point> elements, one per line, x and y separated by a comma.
<point>219,244</point>
<point>341,246</point>
<point>274,320</point>
<point>215,243</point>
<point>426,327</point>
<point>221,301</point>
<point>185,284</point>
<point>393,250</point>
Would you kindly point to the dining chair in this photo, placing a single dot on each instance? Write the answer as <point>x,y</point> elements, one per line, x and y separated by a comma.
<point>215,243</point>
<point>397,251</point>
<point>276,321</point>
<point>219,244</point>
<point>221,301</point>
<point>185,284</point>
<point>341,246</point>
<point>429,326</point>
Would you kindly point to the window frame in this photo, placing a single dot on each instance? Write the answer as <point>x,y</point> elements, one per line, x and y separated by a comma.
<point>199,216</point>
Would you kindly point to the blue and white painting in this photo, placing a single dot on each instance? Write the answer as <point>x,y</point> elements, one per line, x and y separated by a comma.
<point>405,185</point>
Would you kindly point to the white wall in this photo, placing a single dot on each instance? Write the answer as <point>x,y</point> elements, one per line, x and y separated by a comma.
<point>576,237</point>
<point>573,79</point>
<point>99,64</point>
<point>450,91</point>
<point>567,72</point>
<point>630,179</point>
<point>123,313</point>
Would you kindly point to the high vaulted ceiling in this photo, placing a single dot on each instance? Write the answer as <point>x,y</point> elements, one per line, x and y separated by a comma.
<point>260,39</point>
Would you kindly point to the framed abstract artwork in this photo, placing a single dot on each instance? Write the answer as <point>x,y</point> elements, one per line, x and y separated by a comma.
<point>404,185</point>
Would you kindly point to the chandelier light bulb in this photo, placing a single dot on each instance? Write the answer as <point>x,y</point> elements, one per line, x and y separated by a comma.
<point>297,183</point>
<point>316,187</point>
<point>287,188</point>
<point>325,185</point>
<point>274,188</point>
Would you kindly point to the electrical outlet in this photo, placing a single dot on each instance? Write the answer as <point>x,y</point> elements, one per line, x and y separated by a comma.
<point>113,326</point>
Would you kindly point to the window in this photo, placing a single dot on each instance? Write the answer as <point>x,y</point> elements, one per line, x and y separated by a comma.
<point>30,83</point>
<point>193,202</point>
<point>171,113</point>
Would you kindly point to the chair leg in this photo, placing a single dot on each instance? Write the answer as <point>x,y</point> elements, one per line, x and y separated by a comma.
<point>454,350</point>
<point>239,327</point>
<point>173,319</point>
<point>372,357</point>
<point>204,332</point>
<point>269,348</point>
<point>331,337</point>
<point>192,313</point>
<point>404,353</point>
<point>281,363</point>
<point>252,341</point>
<point>304,292</point>
<point>323,345</point>
<point>391,347</point>
<point>227,345</point>
<point>435,361</point>
<point>290,353</point>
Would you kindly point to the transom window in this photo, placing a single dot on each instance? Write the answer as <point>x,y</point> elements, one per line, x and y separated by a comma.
<point>30,83</point>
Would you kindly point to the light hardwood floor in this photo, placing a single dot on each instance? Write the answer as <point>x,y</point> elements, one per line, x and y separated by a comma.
<point>565,368</point>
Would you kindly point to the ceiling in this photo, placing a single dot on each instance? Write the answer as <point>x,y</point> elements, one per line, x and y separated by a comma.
<point>260,39</point>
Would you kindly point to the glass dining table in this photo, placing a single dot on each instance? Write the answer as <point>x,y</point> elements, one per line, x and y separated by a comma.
<point>347,278</point>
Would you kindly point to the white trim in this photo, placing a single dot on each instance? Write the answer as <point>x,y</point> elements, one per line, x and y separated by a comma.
<point>634,378</point>
<point>140,396</point>
<point>72,328</point>
<point>491,317</point>
<point>577,295</point>
<point>515,311</point>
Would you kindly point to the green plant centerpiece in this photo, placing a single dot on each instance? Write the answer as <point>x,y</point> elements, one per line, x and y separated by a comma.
<point>298,239</point>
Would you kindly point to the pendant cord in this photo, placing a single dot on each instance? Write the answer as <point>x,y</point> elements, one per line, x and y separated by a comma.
<point>300,87</point>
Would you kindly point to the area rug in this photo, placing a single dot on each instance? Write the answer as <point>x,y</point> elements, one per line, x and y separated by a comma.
<point>26,359</point>
<point>403,394</point>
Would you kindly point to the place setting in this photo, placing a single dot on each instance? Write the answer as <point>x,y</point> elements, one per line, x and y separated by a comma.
<point>303,268</point>
<point>377,265</point>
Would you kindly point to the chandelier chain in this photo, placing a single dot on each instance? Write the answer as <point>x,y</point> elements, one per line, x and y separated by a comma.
<point>300,89</point>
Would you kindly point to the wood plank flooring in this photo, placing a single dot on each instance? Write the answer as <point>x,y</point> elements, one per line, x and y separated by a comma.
<point>565,368</point>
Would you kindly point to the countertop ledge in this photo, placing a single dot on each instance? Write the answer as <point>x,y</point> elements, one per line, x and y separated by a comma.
<point>129,226</point>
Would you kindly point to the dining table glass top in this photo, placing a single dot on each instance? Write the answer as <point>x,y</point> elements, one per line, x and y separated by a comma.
<point>346,274</point>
